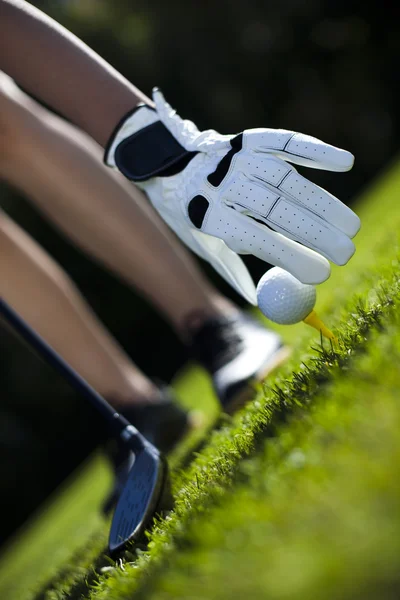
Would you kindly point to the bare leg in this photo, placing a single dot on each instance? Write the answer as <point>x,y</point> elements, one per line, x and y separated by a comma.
<point>62,71</point>
<point>42,293</point>
<point>61,169</point>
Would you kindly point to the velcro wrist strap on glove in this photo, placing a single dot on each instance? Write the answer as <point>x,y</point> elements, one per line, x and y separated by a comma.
<point>142,147</point>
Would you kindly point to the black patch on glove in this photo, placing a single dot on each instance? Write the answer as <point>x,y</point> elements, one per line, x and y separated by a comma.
<point>197,209</point>
<point>222,169</point>
<point>150,152</point>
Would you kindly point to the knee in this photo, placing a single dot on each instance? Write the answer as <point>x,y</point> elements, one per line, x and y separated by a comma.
<point>19,252</point>
<point>12,241</point>
<point>14,244</point>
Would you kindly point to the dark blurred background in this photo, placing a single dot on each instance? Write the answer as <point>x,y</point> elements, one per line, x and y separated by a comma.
<point>328,68</point>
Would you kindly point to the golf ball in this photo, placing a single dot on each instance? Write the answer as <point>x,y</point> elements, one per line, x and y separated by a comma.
<point>283,298</point>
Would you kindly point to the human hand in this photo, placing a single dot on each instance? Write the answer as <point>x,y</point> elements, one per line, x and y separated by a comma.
<point>225,195</point>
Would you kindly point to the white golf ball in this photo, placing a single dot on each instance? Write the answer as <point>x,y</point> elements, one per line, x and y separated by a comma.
<point>283,298</point>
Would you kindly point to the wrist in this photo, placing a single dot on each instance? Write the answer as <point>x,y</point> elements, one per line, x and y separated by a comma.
<point>139,117</point>
<point>142,147</point>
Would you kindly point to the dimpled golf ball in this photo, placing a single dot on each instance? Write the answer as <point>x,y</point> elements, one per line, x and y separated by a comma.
<point>283,298</point>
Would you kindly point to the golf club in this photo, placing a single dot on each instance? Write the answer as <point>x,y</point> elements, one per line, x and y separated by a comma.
<point>147,490</point>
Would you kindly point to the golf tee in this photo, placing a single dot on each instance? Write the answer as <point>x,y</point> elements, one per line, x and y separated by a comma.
<point>314,321</point>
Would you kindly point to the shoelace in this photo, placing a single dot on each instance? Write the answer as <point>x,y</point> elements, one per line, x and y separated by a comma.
<point>216,343</point>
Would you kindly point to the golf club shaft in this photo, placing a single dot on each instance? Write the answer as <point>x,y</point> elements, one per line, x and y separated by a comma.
<point>116,422</point>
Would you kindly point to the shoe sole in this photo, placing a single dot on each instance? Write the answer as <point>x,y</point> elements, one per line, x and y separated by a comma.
<point>248,392</point>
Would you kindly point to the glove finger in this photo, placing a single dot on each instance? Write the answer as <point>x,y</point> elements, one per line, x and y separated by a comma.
<point>244,235</point>
<point>214,250</point>
<point>304,227</point>
<point>250,194</point>
<point>227,263</point>
<point>300,149</point>
<point>288,218</point>
<point>320,202</point>
<point>272,179</point>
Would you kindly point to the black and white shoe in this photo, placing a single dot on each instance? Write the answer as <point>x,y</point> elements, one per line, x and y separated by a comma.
<point>237,351</point>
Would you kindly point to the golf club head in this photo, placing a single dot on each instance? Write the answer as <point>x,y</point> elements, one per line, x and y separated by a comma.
<point>146,493</point>
<point>146,490</point>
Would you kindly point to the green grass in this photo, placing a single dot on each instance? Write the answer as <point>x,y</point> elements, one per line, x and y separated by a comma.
<point>294,497</point>
<point>48,540</point>
<point>315,513</point>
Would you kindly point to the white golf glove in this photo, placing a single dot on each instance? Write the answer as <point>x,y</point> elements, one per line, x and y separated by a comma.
<point>225,195</point>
